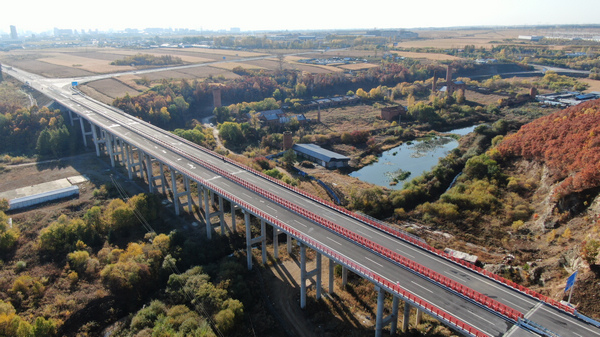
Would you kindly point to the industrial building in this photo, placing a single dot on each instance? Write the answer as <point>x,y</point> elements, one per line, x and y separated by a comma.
<point>41,198</point>
<point>321,156</point>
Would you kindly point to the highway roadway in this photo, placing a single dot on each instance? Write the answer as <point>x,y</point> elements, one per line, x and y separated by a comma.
<point>188,159</point>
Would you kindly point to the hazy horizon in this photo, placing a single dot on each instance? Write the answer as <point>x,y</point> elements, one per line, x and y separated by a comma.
<point>269,15</point>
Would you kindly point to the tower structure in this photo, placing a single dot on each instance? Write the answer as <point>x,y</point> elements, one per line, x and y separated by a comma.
<point>449,83</point>
<point>13,33</point>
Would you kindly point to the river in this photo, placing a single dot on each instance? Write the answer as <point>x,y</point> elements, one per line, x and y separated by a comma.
<point>417,157</point>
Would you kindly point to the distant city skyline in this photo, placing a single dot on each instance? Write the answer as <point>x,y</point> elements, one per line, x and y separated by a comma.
<point>43,16</point>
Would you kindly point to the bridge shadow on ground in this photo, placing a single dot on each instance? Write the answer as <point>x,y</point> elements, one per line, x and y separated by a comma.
<point>330,316</point>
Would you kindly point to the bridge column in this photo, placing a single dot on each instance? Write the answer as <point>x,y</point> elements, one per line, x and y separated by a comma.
<point>129,160</point>
<point>233,227</point>
<point>150,175</point>
<point>419,317</point>
<point>140,163</point>
<point>221,215</point>
<point>162,178</point>
<point>306,275</point>
<point>95,138</point>
<point>84,133</point>
<point>186,193</point>
<point>289,244</point>
<point>394,316</point>
<point>318,272</point>
<point>248,238</point>
<point>73,119</point>
<point>118,151</point>
<point>263,240</point>
<point>302,275</point>
<point>276,232</point>
<point>174,189</point>
<point>406,317</point>
<point>379,317</point>
<point>207,216</point>
<point>331,275</point>
<point>108,142</point>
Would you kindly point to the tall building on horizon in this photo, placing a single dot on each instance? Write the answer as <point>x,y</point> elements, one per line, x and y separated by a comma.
<point>13,33</point>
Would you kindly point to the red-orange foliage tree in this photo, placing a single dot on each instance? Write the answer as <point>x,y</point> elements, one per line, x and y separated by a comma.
<point>568,142</point>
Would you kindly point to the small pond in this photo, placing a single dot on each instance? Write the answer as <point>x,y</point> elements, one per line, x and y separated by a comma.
<point>409,160</point>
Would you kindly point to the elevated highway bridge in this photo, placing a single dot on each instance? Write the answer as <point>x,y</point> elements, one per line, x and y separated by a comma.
<point>469,300</point>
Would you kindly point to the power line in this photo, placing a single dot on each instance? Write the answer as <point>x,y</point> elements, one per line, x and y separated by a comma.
<point>190,297</point>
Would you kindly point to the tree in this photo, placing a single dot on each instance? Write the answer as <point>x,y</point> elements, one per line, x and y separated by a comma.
<point>300,89</point>
<point>43,143</point>
<point>289,158</point>
<point>231,133</point>
<point>4,205</point>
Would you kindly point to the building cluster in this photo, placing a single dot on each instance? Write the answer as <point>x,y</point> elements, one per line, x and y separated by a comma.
<point>278,117</point>
<point>566,98</point>
<point>333,61</point>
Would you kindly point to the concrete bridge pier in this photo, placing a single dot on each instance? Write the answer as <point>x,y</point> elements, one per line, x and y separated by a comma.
<point>73,119</point>
<point>419,316</point>
<point>185,193</point>
<point>276,232</point>
<point>406,317</point>
<point>118,152</point>
<point>262,239</point>
<point>152,185</point>
<point>381,321</point>
<point>222,222</point>
<point>208,197</point>
<point>84,133</point>
<point>95,139</point>
<point>233,208</point>
<point>289,244</point>
<point>307,275</point>
<point>109,145</point>
<point>331,276</point>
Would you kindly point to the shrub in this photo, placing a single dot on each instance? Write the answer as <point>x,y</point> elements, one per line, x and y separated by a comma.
<point>62,236</point>
<point>20,266</point>
<point>275,173</point>
<point>78,260</point>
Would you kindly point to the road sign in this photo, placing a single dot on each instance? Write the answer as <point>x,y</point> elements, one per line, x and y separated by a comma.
<point>571,281</point>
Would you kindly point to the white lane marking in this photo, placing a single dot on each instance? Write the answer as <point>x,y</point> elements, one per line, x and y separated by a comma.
<point>246,195</point>
<point>420,286</point>
<point>238,172</point>
<point>333,240</point>
<point>374,262</point>
<point>575,333</point>
<point>273,209</point>
<point>300,223</point>
<point>474,314</point>
<point>114,126</point>
<point>530,312</point>
<point>403,253</point>
<point>574,322</point>
<point>365,234</point>
<point>514,304</point>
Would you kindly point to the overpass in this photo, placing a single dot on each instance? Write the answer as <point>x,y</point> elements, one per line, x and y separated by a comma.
<point>469,300</point>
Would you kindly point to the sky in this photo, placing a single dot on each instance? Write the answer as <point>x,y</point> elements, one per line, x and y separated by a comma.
<point>255,15</point>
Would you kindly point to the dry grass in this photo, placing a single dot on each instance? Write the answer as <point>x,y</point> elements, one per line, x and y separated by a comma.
<point>358,66</point>
<point>594,84</point>
<point>86,63</point>
<point>428,56</point>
